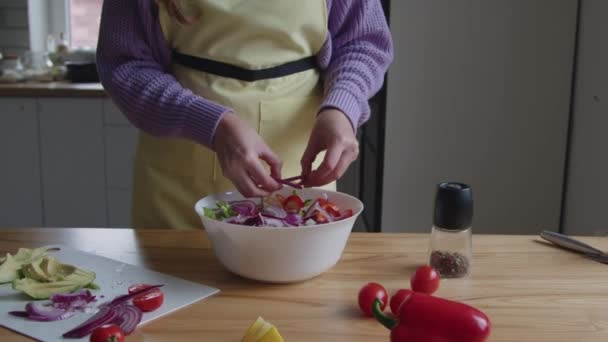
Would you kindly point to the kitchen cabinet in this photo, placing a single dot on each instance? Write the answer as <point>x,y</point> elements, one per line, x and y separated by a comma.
<point>120,149</point>
<point>479,92</point>
<point>72,150</point>
<point>20,186</point>
<point>66,161</point>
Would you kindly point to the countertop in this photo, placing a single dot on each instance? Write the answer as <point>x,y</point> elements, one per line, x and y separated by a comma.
<point>530,291</point>
<point>52,89</point>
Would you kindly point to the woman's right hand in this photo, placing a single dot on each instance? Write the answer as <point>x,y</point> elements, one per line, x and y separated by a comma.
<point>240,151</point>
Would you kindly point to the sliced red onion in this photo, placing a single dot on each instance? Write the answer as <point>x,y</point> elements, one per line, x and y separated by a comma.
<point>291,179</point>
<point>239,219</point>
<point>19,313</point>
<point>273,222</point>
<point>314,205</point>
<point>82,295</point>
<point>293,219</point>
<point>45,311</point>
<point>274,211</point>
<point>128,318</point>
<point>254,221</point>
<point>104,316</point>
<point>244,207</point>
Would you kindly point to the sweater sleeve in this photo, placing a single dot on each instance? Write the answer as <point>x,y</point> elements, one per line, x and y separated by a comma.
<point>359,50</point>
<point>133,62</point>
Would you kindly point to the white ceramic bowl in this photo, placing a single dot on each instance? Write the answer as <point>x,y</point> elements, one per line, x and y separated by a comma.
<point>280,255</point>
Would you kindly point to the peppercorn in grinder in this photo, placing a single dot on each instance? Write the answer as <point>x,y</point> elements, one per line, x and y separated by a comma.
<point>450,252</point>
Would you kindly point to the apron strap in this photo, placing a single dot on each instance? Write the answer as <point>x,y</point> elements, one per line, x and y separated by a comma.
<point>249,75</point>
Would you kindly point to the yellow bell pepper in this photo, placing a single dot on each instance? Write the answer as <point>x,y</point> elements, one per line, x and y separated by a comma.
<point>262,331</point>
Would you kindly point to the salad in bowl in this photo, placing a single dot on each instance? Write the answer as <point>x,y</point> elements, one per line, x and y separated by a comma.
<point>286,237</point>
<point>278,210</point>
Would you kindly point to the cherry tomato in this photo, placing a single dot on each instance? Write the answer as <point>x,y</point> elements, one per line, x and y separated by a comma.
<point>425,280</point>
<point>368,294</point>
<point>322,201</point>
<point>149,301</point>
<point>397,299</point>
<point>293,202</point>
<point>108,333</point>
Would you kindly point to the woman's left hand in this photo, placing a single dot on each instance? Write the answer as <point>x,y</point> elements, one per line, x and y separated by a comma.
<point>333,133</point>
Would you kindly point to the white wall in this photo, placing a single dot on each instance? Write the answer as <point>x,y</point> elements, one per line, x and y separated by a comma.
<point>479,92</point>
<point>586,201</point>
<point>13,26</point>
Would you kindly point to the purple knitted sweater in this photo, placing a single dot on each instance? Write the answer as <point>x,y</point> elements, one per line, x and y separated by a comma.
<point>134,61</point>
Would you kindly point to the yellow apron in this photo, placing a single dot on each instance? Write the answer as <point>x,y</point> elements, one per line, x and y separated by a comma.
<point>171,174</point>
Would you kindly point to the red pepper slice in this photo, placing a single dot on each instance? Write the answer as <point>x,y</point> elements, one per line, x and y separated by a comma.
<point>347,213</point>
<point>281,199</point>
<point>293,202</point>
<point>319,218</point>
<point>425,318</point>
<point>332,209</point>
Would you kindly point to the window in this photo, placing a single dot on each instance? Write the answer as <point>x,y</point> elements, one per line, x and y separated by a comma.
<point>84,17</point>
<point>77,20</point>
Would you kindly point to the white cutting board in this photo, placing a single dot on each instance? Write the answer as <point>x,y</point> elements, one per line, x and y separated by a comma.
<point>114,278</point>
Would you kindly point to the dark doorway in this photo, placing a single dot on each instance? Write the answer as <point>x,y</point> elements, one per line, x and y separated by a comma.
<point>364,179</point>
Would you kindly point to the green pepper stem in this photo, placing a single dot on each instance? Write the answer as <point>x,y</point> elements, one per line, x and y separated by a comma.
<point>385,320</point>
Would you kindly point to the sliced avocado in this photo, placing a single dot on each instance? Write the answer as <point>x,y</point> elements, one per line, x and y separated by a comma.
<point>46,277</point>
<point>9,270</point>
<point>54,270</point>
<point>26,255</point>
<point>42,290</point>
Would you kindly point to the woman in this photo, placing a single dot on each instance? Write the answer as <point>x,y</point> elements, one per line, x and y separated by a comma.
<point>236,93</point>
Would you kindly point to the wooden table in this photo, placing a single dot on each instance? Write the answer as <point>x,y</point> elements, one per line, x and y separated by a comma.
<point>530,292</point>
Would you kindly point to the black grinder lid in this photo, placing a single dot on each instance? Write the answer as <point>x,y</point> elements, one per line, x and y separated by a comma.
<point>453,206</point>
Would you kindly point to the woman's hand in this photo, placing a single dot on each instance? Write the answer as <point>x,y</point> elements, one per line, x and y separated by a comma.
<point>240,150</point>
<point>333,133</point>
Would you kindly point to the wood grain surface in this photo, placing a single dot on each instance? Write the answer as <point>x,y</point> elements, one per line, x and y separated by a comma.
<point>530,291</point>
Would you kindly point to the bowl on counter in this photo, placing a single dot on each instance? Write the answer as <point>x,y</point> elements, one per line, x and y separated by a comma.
<point>280,254</point>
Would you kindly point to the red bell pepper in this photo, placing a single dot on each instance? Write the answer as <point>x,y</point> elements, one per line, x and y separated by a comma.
<point>425,318</point>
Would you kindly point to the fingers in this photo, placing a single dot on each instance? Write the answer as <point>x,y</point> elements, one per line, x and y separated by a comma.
<point>273,161</point>
<point>245,184</point>
<point>337,160</point>
<point>257,172</point>
<point>309,156</point>
<point>250,177</point>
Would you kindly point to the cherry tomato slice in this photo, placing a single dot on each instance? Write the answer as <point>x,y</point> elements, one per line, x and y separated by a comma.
<point>293,202</point>
<point>149,301</point>
<point>108,333</point>
<point>425,280</point>
<point>368,294</point>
